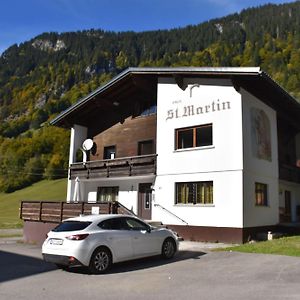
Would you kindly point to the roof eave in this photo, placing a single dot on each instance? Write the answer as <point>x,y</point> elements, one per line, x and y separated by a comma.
<point>84,100</point>
<point>167,71</point>
<point>156,71</point>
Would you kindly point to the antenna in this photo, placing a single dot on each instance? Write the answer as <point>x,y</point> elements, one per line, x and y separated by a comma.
<point>87,144</point>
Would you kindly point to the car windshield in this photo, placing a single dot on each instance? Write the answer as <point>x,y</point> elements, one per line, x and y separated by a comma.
<point>71,226</point>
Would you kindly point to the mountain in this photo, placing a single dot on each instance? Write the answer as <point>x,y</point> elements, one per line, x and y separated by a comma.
<point>43,76</point>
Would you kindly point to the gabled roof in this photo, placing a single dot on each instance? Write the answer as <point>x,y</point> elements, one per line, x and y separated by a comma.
<point>137,84</point>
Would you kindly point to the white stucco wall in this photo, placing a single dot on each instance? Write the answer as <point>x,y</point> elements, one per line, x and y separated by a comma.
<point>77,137</point>
<point>226,211</point>
<point>128,188</point>
<point>212,101</point>
<point>259,170</point>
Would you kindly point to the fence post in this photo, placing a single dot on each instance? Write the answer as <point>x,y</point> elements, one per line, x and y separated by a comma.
<point>40,214</point>
<point>21,210</point>
<point>61,211</point>
<point>130,166</point>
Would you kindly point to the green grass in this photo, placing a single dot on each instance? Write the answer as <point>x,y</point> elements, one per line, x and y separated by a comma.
<point>10,235</point>
<point>46,190</point>
<point>284,246</point>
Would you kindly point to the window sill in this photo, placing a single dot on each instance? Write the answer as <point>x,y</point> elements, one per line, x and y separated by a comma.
<point>195,148</point>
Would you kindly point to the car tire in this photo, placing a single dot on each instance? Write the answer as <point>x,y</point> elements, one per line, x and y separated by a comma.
<point>168,249</point>
<point>62,267</point>
<point>101,261</point>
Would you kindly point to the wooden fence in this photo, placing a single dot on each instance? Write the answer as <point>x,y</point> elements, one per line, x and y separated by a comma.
<point>56,212</point>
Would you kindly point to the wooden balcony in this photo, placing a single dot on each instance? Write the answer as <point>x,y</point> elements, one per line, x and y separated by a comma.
<point>119,167</point>
<point>289,173</point>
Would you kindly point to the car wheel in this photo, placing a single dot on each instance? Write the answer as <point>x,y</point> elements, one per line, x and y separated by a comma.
<point>168,248</point>
<point>101,261</point>
<point>63,267</point>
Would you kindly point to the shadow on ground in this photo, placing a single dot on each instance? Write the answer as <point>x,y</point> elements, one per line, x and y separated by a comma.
<point>144,263</point>
<point>14,266</point>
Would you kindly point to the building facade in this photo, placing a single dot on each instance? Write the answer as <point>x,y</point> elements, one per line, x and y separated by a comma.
<point>210,152</point>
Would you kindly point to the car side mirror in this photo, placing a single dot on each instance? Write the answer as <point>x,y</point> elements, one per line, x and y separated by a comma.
<point>148,229</point>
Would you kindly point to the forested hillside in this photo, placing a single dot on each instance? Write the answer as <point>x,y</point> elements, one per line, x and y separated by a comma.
<point>43,76</point>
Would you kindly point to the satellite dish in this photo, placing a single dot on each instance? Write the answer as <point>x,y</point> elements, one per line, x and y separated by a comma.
<point>87,144</point>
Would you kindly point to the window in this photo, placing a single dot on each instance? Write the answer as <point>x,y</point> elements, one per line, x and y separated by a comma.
<point>192,137</point>
<point>113,224</point>
<point>107,193</point>
<point>261,194</point>
<point>134,224</point>
<point>146,147</point>
<point>71,226</point>
<point>109,152</point>
<point>123,223</point>
<point>200,192</point>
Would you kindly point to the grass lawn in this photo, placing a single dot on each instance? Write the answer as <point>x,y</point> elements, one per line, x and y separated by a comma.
<point>284,246</point>
<point>50,190</point>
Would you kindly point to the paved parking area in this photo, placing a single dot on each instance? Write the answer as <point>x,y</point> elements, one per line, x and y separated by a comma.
<point>196,273</point>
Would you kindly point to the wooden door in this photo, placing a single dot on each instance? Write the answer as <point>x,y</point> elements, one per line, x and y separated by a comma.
<point>145,201</point>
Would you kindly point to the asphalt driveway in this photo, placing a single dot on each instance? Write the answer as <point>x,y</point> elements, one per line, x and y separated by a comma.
<point>195,273</point>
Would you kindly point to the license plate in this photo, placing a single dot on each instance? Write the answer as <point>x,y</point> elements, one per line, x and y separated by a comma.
<point>56,241</point>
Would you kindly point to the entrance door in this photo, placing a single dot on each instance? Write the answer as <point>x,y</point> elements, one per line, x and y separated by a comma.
<point>287,208</point>
<point>145,201</point>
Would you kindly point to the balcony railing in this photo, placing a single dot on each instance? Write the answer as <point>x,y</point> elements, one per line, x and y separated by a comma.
<point>289,173</point>
<point>56,212</point>
<point>119,167</point>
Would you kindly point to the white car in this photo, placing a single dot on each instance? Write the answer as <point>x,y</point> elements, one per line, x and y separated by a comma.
<point>98,241</point>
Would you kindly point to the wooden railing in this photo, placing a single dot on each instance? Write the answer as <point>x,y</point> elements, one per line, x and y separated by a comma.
<point>56,212</point>
<point>118,167</point>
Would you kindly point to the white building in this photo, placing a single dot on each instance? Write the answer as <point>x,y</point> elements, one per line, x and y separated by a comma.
<point>211,152</point>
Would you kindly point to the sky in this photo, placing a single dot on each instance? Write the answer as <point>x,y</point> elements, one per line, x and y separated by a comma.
<point>22,20</point>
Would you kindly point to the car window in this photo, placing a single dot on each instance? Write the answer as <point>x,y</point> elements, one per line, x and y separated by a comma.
<point>113,224</point>
<point>71,226</point>
<point>134,224</point>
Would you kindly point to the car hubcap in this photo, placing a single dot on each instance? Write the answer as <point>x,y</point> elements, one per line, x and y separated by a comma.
<point>169,248</point>
<point>101,261</point>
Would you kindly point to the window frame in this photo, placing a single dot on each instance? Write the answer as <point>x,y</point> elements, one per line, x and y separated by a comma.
<point>105,148</point>
<point>194,136</point>
<point>208,195</point>
<point>261,189</point>
<point>114,195</point>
